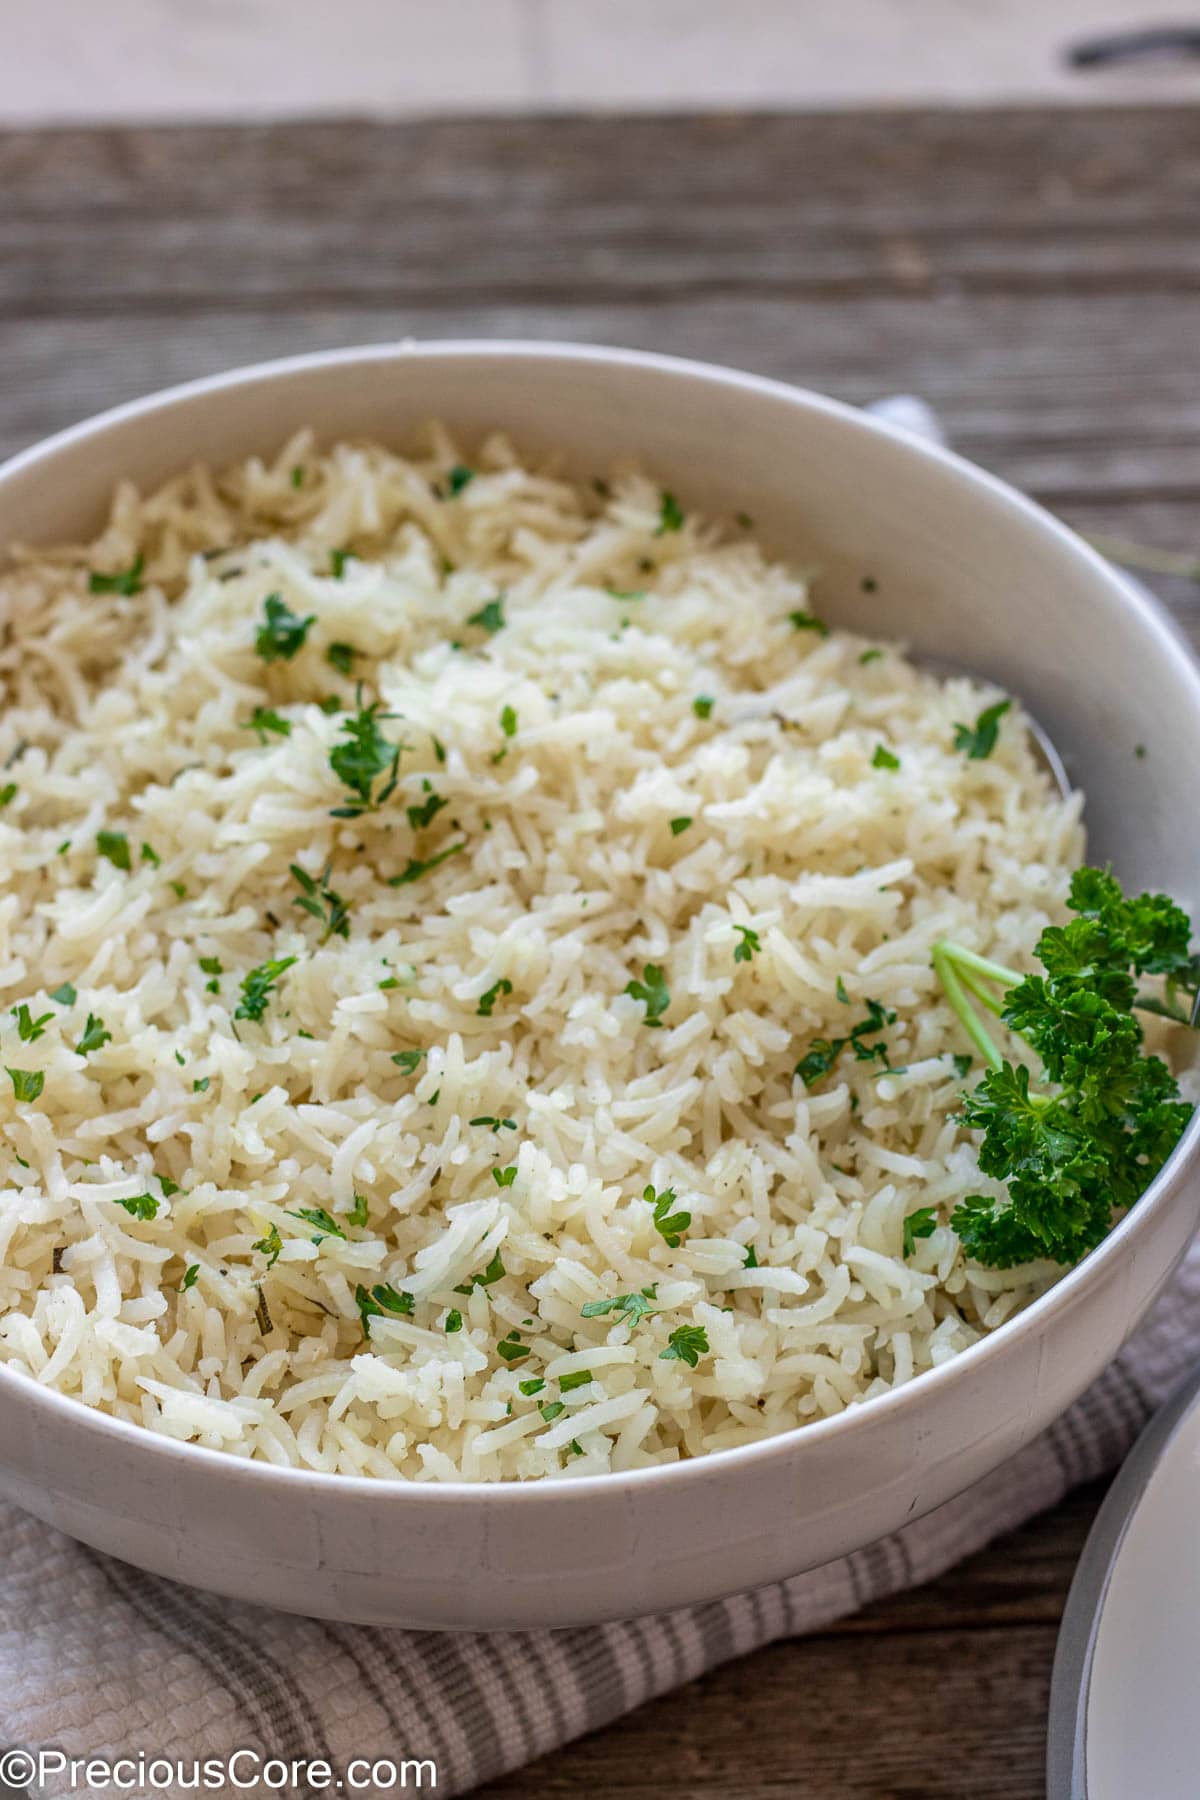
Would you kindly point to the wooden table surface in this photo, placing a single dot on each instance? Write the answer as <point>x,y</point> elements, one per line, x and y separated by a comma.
<point>1034,274</point>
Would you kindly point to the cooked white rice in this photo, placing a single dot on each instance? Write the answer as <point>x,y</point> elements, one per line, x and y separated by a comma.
<point>127,714</point>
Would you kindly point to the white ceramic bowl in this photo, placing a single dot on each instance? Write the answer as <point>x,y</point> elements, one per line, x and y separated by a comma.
<point>966,570</point>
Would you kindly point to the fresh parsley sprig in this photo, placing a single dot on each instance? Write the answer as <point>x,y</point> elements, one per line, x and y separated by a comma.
<point>1080,1139</point>
<point>367,754</point>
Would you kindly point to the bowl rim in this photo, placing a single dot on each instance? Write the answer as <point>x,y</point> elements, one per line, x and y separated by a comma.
<point>896,1402</point>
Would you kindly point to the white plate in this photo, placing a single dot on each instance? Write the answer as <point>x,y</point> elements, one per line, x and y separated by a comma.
<point>1125,1696</point>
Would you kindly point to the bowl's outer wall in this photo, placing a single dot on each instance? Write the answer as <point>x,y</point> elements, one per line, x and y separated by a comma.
<point>962,569</point>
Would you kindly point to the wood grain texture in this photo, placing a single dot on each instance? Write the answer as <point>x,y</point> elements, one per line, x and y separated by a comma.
<point>1034,274</point>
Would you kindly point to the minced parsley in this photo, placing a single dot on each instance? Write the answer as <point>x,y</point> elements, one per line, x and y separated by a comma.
<point>422,813</point>
<point>669,1226</point>
<point>459,478</point>
<point>670,514</point>
<point>407,1061</point>
<point>8,792</point>
<point>320,901</point>
<point>114,845</point>
<point>65,995</point>
<point>807,621</point>
<point>679,825</point>
<point>94,1035</point>
<point>631,1308</point>
<point>652,991</point>
<point>749,946</point>
<point>125,581</point>
<point>490,617</point>
<point>140,1206</point>
<point>270,1246</point>
<point>702,706</point>
<point>824,1052</point>
<point>281,634</point>
<point>415,867</point>
<point>686,1344</point>
<point>979,740</point>
<point>494,1123</point>
<point>884,758</point>
<point>263,720</point>
<point>324,1221</point>
<point>504,1178</point>
<point>258,986</point>
<point>367,754</point>
<point>27,1084</point>
<point>488,1000</point>
<point>919,1224</point>
<point>29,1029</point>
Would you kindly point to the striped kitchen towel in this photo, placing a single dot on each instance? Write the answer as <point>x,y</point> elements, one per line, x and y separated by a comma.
<point>98,1660</point>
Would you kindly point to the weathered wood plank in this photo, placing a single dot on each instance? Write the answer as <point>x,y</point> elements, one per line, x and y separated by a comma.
<point>585,210</point>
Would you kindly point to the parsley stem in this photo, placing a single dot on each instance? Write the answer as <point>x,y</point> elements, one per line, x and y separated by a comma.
<point>974,986</point>
<point>944,960</point>
<point>970,959</point>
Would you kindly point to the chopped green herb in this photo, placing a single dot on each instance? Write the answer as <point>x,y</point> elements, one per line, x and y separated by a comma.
<point>407,1061</point>
<point>258,986</point>
<point>94,1036</point>
<point>454,1320</point>
<point>962,1063</point>
<point>678,825</point>
<point>632,1308</point>
<point>414,868</point>
<point>868,584</point>
<point>297,476</point>
<point>201,1086</point>
<point>488,1000</point>
<point>281,634</point>
<point>360,1213</point>
<point>366,755</point>
<point>508,721</point>
<point>744,520</point>
<point>393,1301</point>
<point>534,1385</point>
<point>670,514</point>
<point>749,946</point>
<point>669,1226</point>
<point>919,1224</point>
<point>270,1246</point>
<point>686,1344</point>
<point>458,479</point>
<point>63,847</point>
<point>332,703</point>
<point>884,758</point>
<point>337,562</point>
<point>27,1083</point>
<point>576,1379</point>
<point>626,593</point>
<point>702,706</point>
<point>125,581</point>
<point>870,656</point>
<point>179,890</point>
<point>263,719</point>
<point>652,991</point>
<point>979,740</point>
<point>490,618</point>
<point>115,846</point>
<point>341,657</point>
<point>840,991</point>
<point>320,901</point>
<point>806,621</point>
<point>504,1178</point>
<point>8,792</point>
<point>190,1275</point>
<point>316,1215</point>
<point>512,1349</point>
<point>29,1029</point>
<point>65,995</point>
<point>151,856</point>
<point>551,1410</point>
<point>140,1206</point>
<point>824,1052</point>
<point>422,813</point>
<point>751,1259</point>
<point>494,1123</point>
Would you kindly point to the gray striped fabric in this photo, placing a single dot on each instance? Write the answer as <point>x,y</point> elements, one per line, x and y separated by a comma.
<point>97,1658</point>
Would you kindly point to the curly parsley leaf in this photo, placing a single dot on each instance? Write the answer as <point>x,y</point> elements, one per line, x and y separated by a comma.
<point>1079,1143</point>
<point>319,900</point>
<point>263,720</point>
<point>749,946</point>
<point>140,1206</point>
<point>823,1053</point>
<point>324,1222</point>
<point>29,1029</point>
<point>631,1309</point>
